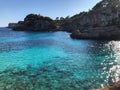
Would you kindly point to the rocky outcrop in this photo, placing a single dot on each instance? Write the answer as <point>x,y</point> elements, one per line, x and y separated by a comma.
<point>11,25</point>
<point>102,22</point>
<point>114,86</point>
<point>104,13</point>
<point>109,32</point>
<point>33,22</point>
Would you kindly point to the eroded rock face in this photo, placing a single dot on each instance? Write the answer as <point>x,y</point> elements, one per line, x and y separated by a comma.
<point>102,22</point>
<point>109,32</point>
<point>104,13</point>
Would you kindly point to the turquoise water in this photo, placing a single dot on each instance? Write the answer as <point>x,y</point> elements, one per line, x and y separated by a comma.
<point>54,61</point>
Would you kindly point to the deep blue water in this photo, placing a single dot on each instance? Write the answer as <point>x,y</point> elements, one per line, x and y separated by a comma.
<point>54,61</point>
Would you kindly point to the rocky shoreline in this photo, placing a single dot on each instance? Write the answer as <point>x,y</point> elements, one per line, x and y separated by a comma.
<point>101,22</point>
<point>107,33</point>
<point>114,86</point>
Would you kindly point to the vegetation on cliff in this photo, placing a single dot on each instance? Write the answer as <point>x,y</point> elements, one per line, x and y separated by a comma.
<point>102,22</point>
<point>33,22</point>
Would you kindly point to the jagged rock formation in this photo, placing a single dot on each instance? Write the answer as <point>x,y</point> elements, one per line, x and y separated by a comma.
<point>33,22</point>
<point>104,13</point>
<point>102,22</point>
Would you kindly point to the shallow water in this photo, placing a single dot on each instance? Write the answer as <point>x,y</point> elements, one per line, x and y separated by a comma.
<point>54,61</point>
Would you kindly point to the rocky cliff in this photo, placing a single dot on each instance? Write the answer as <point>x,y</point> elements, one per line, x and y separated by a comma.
<point>104,13</point>
<point>103,21</point>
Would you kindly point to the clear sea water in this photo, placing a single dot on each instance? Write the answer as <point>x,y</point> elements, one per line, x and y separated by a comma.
<point>54,61</point>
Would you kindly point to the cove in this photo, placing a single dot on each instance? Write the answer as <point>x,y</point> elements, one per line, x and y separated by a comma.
<point>54,61</point>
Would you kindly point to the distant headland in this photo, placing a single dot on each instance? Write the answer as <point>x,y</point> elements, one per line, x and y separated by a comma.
<point>102,22</point>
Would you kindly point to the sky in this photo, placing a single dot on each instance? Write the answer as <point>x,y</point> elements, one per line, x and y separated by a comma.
<point>15,10</point>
